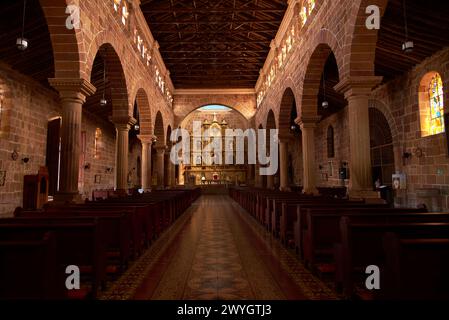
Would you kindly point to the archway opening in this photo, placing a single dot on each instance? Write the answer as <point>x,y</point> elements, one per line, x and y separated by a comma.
<point>382,150</point>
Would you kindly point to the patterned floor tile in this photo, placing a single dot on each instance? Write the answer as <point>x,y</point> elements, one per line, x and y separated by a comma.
<point>217,251</point>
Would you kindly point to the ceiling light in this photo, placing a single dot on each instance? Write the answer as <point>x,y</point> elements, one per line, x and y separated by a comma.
<point>22,42</point>
<point>103,102</point>
<point>408,45</point>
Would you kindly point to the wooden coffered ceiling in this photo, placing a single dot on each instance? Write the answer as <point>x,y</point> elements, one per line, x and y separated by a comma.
<point>214,44</point>
<point>224,43</point>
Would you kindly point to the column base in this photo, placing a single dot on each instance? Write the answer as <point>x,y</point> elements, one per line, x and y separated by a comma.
<point>285,189</point>
<point>369,196</point>
<point>67,198</point>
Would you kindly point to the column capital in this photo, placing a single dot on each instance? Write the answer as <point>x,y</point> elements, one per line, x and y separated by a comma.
<point>306,121</point>
<point>357,85</point>
<point>124,122</point>
<point>73,88</point>
<point>145,138</point>
<point>160,149</point>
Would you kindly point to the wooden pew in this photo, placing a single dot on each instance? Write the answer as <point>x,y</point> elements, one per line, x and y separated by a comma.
<point>362,246</point>
<point>323,228</point>
<point>78,243</point>
<point>300,222</point>
<point>416,269</point>
<point>29,269</point>
<point>117,228</point>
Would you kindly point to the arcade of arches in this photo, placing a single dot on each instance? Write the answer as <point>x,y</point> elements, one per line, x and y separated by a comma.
<point>94,107</point>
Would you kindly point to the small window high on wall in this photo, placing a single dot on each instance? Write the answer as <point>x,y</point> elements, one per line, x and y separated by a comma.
<point>431,104</point>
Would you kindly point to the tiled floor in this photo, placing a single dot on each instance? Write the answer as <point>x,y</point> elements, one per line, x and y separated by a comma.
<point>217,251</point>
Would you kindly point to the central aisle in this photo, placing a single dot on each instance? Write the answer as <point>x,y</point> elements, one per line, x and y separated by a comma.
<point>216,251</point>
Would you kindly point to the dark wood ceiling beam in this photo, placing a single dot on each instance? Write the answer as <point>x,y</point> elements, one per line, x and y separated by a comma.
<point>162,23</point>
<point>212,11</point>
<point>162,42</point>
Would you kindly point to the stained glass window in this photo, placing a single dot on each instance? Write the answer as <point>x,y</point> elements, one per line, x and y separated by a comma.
<point>436,105</point>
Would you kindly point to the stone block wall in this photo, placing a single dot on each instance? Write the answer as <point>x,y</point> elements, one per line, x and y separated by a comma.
<point>26,109</point>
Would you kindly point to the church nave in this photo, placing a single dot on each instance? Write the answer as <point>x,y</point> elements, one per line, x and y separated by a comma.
<point>216,251</point>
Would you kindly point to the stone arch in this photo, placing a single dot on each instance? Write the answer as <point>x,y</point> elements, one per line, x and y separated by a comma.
<point>143,105</point>
<point>271,121</point>
<point>360,44</point>
<point>382,147</point>
<point>159,130</point>
<point>218,104</point>
<point>68,45</point>
<point>115,77</point>
<point>312,80</point>
<point>326,37</point>
<point>168,135</point>
<point>285,110</point>
<point>396,133</point>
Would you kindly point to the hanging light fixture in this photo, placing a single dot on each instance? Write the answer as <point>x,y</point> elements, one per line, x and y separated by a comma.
<point>22,42</point>
<point>325,103</point>
<point>103,101</point>
<point>408,45</point>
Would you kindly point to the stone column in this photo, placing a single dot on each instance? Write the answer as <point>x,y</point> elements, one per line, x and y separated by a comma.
<point>270,182</point>
<point>357,91</point>
<point>283,159</point>
<point>160,159</point>
<point>122,126</point>
<point>170,179</point>
<point>308,125</point>
<point>73,94</point>
<point>146,161</point>
<point>257,177</point>
<point>181,180</point>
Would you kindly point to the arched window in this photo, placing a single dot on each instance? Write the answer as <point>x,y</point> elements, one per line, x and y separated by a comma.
<point>431,104</point>
<point>330,142</point>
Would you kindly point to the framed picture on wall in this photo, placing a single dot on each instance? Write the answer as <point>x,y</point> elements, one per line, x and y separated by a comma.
<point>97,178</point>
<point>2,178</point>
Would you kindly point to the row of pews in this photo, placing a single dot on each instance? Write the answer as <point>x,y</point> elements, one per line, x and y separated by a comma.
<point>100,237</point>
<point>338,239</point>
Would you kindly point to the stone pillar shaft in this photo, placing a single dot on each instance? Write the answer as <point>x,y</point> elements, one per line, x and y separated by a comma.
<point>270,182</point>
<point>359,139</point>
<point>308,146</point>
<point>146,162</point>
<point>122,156</point>
<point>283,152</point>
<point>357,90</point>
<point>73,94</point>
<point>160,159</point>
